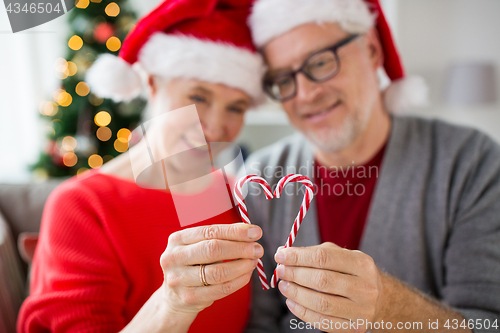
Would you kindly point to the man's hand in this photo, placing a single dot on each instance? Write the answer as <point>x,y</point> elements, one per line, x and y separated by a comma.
<point>326,283</point>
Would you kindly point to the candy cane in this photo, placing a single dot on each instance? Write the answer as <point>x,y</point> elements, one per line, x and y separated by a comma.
<point>302,212</point>
<point>244,214</point>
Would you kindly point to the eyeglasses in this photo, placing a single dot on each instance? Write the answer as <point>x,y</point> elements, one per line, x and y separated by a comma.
<point>318,67</point>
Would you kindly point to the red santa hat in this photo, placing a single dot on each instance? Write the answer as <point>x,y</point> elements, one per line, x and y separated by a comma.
<point>202,39</point>
<point>271,18</point>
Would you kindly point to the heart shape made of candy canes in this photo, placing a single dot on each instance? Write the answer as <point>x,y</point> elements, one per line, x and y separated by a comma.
<point>269,195</point>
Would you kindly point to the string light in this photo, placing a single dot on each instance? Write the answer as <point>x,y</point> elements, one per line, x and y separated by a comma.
<point>48,108</point>
<point>95,161</point>
<point>61,67</point>
<point>102,118</point>
<point>107,158</point>
<point>82,89</point>
<point>70,159</point>
<point>72,68</point>
<point>94,100</point>
<point>123,135</point>
<point>40,174</point>
<point>60,64</point>
<point>112,9</point>
<point>82,4</point>
<point>75,43</point>
<point>69,143</point>
<point>120,146</point>
<point>113,44</point>
<point>50,131</point>
<point>62,97</point>
<point>80,172</point>
<point>63,75</point>
<point>104,133</point>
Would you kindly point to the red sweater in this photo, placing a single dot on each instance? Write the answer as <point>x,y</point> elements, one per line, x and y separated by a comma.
<point>343,200</point>
<point>97,260</point>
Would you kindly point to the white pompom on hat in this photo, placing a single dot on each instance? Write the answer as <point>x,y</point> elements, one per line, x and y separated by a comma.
<point>272,18</point>
<point>201,39</point>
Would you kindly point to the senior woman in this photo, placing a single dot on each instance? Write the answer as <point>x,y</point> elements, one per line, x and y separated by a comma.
<point>114,256</point>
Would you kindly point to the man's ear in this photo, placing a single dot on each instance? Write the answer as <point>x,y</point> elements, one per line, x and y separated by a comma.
<point>375,51</point>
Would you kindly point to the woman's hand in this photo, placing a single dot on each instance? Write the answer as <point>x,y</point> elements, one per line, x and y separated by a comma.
<point>175,305</point>
<point>187,249</point>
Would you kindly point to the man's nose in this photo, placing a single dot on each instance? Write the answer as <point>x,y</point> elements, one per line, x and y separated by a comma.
<point>307,90</point>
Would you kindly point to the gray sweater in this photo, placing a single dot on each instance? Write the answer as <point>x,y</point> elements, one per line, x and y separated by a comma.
<point>434,220</point>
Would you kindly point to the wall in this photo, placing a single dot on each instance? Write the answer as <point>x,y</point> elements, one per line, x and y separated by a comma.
<point>434,34</point>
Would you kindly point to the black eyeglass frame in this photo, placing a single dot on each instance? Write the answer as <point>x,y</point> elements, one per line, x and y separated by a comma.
<point>269,81</point>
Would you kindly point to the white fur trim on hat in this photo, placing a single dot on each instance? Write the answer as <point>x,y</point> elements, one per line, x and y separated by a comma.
<point>173,56</point>
<point>112,77</point>
<point>271,18</point>
<point>405,93</point>
<point>178,56</point>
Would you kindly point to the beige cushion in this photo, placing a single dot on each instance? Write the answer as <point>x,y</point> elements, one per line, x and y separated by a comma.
<point>22,204</point>
<point>12,280</point>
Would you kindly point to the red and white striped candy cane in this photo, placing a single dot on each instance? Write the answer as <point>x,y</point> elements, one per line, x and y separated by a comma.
<point>244,214</point>
<point>302,212</point>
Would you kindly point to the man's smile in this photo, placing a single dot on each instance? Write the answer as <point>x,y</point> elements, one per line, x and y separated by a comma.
<point>320,114</point>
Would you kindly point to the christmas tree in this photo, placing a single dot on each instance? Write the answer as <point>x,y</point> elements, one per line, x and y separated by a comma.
<point>86,131</point>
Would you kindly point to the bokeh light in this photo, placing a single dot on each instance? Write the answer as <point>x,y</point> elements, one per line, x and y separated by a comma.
<point>112,9</point>
<point>94,100</point>
<point>123,135</point>
<point>102,118</point>
<point>69,143</point>
<point>62,75</point>
<point>75,43</point>
<point>104,133</point>
<point>80,172</point>
<point>82,4</point>
<point>120,146</point>
<point>72,68</point>
<point>48,108</point>
<point>113,44</point>
<point>62,98</point>
<point>60,65</point>
<point>70,159</point>
<point>107,158</point>
<point>50,131</point>
<point>40,174</point>
<point>82,89</point>
<point>95,161</point>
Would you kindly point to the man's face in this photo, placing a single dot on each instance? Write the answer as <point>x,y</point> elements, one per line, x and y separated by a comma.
<point>334,113</point>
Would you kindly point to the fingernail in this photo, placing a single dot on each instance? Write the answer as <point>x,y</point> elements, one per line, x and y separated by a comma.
<point>258,251</point>
<point>283,285</point>
<point>290,303</point>
<point>279,257</point>
<point>253,233</point>
<point>281,271</point>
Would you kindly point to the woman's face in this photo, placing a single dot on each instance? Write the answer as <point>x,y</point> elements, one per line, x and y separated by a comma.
<point>219,117</point>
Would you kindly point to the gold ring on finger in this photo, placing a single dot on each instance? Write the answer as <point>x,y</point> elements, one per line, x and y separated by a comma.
<point>203,278</point>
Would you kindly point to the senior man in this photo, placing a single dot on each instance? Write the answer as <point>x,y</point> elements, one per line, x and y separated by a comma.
<point>404,230</point>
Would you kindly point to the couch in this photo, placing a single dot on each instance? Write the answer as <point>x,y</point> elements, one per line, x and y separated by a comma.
<point>21,207</point>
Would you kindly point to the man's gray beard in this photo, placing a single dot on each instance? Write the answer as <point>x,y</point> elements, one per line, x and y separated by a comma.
<point>335,140</point>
